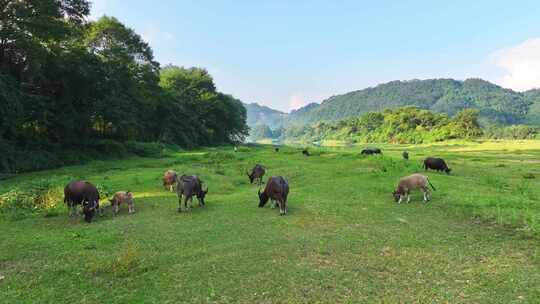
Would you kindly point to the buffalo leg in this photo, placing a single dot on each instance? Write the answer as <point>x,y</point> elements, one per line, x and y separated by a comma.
<point>116,208</point>
<point>282,208</point>
<point>131,209</point>
<point>180,203</point>
<point>186,199</point>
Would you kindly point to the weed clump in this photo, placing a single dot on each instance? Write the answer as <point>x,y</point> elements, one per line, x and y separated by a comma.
<point>35,196</point>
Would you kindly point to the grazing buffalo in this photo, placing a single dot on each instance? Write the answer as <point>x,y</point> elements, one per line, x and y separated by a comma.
<point>169,179</point>
<point>412,182</point>
<point>257,173</point>
<point>188,186</point>
<point>405,155</point>
<point>277,189</point>
<point>122,197</point>
<point>276,149</point>
<point>436,164</point>
<point>82,193</point>
<point>305,152</point>
<point>371,151</point>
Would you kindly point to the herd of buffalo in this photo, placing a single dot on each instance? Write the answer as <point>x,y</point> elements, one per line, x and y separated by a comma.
<point>276,189</point>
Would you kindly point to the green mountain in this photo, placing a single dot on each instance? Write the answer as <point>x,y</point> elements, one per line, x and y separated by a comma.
<point>262,115</point>
<point>533,115</point>
<point>495,104</point>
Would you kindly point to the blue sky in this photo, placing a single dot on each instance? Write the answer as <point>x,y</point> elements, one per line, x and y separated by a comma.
<point>285,54</point>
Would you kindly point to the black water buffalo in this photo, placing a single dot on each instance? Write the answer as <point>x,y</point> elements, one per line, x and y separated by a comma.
<point>82,193</point>
<point>188,186</point>
<point>277,189</point>
<point>257,173</point>
<point>305,152</point>
<point>436,164</point>
<point>371,151</point>
<point>276,149</point>
<point>405,155</point>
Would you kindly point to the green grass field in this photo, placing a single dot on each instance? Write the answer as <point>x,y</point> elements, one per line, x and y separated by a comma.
<point>344,239</point>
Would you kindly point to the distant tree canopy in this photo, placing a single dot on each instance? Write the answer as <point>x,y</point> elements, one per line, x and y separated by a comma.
<point>67,82</point>
<point>402,125</point>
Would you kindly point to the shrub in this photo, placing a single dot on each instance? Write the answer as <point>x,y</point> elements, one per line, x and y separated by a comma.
<point>145,149</point>
<point>110,148</point>
<point>39,195</point>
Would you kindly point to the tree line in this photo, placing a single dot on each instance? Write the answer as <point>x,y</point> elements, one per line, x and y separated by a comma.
<point>67,83</point>
<point>400,125</point>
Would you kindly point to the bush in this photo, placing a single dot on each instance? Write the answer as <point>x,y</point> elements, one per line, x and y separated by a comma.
<point>146,149</point>
<point>39,195</point>
<point>110,148</point>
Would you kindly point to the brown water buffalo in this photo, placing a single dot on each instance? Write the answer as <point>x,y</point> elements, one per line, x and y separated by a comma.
<point>257,173</point>
<point>188,186</point>
<point>122,197</point>
<point>169,179</point>
<point>437,164</point>
<point>277,189</point>
<point>82,193</point>
<point>412,182</point>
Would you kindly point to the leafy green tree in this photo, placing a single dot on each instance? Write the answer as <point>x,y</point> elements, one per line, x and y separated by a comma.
<point>465,124</point>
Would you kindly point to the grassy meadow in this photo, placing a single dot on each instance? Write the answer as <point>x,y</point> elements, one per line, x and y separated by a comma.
<point>344,240</point>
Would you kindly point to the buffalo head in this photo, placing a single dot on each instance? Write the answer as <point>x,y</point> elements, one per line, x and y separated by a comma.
<point>263,198</point>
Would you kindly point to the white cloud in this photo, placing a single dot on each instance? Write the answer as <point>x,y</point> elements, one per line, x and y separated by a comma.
<point>521,65</point>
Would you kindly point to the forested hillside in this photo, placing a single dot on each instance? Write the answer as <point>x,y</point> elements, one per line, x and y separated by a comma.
<point>69,86</point>
<point>496,105</point>
<point>263,115</point>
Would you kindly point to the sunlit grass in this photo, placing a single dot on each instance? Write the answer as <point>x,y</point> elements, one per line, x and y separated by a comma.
<point>343,241</point>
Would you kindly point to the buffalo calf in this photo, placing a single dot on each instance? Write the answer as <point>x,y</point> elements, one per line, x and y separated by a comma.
<point>122,197</point>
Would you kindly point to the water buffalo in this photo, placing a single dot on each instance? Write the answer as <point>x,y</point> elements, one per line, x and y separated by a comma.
<point>412,182</point>
<point>169,179</point>
<point>371,151</point>
<point>276,149</point>
<point>305,152</point>
<point>436,164</point>
<point>257,173</point>
<point>277,189</point>
<point>405,155</point>
<point>122,197</point>
<point>188,186</point>
<point>82,193</point>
